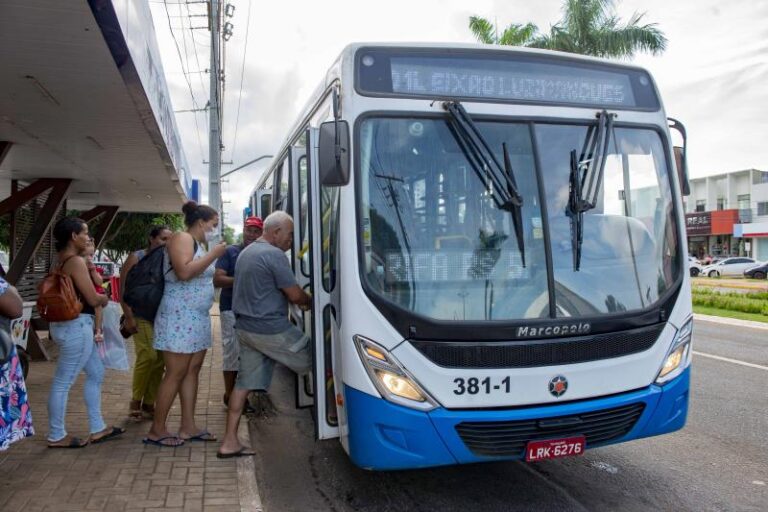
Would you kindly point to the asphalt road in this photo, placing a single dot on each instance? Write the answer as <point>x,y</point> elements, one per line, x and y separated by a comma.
<point>719,461</point>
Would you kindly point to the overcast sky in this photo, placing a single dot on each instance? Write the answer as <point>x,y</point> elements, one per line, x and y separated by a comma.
<point>713,76</point>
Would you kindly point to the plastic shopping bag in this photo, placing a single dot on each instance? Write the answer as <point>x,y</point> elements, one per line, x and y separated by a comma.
<point>113,352</point>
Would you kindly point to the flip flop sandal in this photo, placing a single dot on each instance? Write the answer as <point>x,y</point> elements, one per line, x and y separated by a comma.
<point>242,452</point>
<point>159,442</point>
<point>115,432</point>
<point>74,442</point>
<point>204,436</point>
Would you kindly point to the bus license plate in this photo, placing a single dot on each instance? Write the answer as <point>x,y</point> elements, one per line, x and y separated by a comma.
<point>554,448</point>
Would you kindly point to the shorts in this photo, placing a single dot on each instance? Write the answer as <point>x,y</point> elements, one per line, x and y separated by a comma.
<point>259,352</point>
<point>230,347</point>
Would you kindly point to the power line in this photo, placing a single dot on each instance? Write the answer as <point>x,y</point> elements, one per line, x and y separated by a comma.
<point>186,60</point>
<point>197,60</point>
<point>242,75</point>
<point>186,77</point>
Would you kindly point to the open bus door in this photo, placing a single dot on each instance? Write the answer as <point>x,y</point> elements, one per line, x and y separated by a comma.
<point>297,162</point>
<point>318,322</point>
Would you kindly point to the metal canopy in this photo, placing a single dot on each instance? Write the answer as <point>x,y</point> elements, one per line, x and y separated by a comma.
<point>83,96</point>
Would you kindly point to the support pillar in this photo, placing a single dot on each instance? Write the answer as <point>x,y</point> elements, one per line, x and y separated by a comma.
<point>59,189</point>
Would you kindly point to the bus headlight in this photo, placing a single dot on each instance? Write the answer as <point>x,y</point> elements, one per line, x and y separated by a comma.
<point>679,355</point>
<point>390,378</point>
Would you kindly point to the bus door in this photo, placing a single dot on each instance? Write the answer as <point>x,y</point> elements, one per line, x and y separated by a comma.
<point>297,161</point>
<point>322,320</point>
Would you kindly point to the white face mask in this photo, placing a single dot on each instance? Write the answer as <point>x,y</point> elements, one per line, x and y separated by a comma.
<point>210,236</point>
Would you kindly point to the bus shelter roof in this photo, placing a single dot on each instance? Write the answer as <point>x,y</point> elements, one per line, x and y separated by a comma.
<point>83,96</point>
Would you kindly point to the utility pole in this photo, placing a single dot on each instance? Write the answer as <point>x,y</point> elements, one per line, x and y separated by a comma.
<point>214,142</point>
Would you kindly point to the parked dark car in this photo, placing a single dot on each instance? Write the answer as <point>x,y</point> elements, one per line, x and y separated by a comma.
<point>758,272</point>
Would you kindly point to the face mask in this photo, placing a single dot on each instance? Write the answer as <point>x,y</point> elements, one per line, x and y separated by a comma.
<point>210,236</point>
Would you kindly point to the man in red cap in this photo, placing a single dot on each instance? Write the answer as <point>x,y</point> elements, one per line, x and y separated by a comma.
<point>224,278</point>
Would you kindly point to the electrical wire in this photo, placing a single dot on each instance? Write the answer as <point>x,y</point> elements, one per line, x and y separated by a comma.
<point>195,105</point>
<point>242,75</point>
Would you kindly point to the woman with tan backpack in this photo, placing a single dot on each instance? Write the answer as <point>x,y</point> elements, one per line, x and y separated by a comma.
<point>72,329</point>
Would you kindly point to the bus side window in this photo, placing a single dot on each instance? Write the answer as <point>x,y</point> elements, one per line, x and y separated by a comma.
<point>303,221</point>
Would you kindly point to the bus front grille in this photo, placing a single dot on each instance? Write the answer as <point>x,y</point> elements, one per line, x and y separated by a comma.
<point>509,438</point>
<point>531,353</point>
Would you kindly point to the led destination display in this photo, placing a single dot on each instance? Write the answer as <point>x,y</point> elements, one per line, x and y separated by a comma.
<point>553,85</point>
<point>503,76</point>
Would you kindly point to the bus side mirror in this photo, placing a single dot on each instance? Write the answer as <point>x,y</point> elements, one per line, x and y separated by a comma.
<point>333,153</point>
<point>680,160</point>
<point>682,170</point>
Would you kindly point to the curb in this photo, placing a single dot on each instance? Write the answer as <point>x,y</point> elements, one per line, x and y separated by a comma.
<point>731,321</point>
<point>248,488</point>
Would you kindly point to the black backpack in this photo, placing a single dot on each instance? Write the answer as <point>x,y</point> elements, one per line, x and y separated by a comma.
<point>145,283</point>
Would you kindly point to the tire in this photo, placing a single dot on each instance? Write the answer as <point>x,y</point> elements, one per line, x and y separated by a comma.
<point>713,273</point>
<point>694,272</point>
<point>759,275</point>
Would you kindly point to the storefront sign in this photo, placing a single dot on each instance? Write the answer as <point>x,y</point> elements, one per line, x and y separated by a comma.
<point>699,223</point>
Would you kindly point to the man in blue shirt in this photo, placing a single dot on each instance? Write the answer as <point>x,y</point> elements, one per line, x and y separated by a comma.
<point>224,278</point>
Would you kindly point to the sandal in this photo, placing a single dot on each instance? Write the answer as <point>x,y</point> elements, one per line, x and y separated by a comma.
<point>204,436</point>
<point>115,432</point>
<point>242,452</point>
<point>74,442</point>
<point>167,441</point>
<point>136,413</point>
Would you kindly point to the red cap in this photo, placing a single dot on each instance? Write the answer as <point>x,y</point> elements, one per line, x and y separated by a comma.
<point>254,221</point>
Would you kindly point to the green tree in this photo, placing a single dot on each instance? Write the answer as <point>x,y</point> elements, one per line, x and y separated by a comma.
<point>588,27</point>
<point>514,35</point>
<point>229,235</point>
<point>130,230</point>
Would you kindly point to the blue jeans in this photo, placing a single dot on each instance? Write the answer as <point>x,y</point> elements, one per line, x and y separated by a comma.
<point>76,353</point>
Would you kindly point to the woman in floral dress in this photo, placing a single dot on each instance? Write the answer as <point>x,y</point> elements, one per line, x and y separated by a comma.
<point>183,323</point>
<point>15,418</point>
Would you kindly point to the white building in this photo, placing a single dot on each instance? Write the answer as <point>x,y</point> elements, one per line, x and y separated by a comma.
<point>727,215</point>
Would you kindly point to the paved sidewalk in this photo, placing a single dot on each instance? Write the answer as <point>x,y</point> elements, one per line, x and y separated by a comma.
<point>122,474</point>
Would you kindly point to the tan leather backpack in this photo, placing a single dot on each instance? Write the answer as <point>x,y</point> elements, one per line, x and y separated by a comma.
<point>57,299</point>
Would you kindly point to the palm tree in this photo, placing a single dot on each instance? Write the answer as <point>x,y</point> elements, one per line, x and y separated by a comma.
<point>588,27</point>
<point>514,35</point>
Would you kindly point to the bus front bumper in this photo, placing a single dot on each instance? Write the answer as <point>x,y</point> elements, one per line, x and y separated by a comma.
<point>385,436</point>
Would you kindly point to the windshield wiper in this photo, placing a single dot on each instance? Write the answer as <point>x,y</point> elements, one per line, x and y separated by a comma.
<point>483,161</point>
<point>586,178</point>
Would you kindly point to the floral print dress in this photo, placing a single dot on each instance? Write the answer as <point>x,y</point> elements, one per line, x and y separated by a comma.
<point>183,321</point>
<point>15,418</point>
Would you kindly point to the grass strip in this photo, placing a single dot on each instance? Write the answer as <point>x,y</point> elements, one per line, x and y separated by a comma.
<point>757,295</point>
<point>704,310</point>
<point>742,304</point>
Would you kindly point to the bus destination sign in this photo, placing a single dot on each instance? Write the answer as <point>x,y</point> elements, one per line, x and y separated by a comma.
<point>503,76</point>
<point>546,85</point>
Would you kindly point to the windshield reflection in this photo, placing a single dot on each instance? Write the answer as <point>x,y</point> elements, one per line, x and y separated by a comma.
<point>435,242</point>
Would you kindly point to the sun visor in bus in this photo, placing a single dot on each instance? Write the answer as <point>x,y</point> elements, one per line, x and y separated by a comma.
<point>333,153</point>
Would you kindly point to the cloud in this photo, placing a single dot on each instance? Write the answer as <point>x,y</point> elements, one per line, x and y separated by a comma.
<point>712,77</point>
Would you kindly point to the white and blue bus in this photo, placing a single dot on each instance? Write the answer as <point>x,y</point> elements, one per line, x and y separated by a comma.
<point>494,242</point>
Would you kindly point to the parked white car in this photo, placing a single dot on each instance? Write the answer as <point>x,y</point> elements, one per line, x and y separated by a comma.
<point>694,267</point>
<point>729,267</point>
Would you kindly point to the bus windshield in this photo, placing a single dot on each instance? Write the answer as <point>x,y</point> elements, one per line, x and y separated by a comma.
<point>435,242</point>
